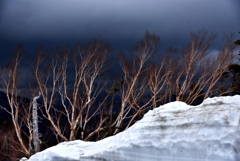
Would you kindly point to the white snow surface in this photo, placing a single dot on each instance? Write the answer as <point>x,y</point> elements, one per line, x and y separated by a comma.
<point>172,132</point>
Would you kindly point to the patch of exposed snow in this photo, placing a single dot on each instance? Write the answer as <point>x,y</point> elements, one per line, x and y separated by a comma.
<point>23,159</point>
<point>172,132</point>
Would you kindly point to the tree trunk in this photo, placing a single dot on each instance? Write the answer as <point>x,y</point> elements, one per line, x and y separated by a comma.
<point>36,140</point>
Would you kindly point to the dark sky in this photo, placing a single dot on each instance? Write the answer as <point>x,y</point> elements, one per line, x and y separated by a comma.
<point>121,22</point>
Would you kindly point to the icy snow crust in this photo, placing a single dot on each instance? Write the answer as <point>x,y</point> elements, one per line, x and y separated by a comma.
<point>172,132</point>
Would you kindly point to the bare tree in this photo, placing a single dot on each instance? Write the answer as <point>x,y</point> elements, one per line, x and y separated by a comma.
<point>47,73</point>
<point>88,65</point>
<point>194,74</point>
<point>19,110</point>
<point>134,85</point>
<point>199,71</point>
<point>158,76</point>
<point>219,64</point>
<point>77,96</point>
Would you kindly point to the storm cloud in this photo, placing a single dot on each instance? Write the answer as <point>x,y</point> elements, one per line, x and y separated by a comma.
<point>119,22</point>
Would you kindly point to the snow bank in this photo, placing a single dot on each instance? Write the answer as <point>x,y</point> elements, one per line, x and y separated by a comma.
<point>172,132</point>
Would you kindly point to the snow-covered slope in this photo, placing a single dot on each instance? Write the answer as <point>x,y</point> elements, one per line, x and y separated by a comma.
<point>172,132</point>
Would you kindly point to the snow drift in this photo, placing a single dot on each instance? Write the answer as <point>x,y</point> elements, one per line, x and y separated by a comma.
<point>172,132</point>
